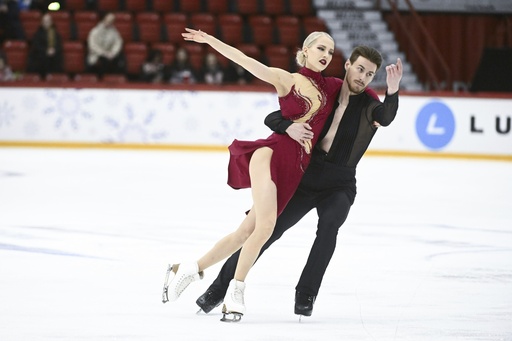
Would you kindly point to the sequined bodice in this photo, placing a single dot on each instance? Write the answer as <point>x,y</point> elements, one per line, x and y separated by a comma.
<point>306,97</point>
<point>310,99</point>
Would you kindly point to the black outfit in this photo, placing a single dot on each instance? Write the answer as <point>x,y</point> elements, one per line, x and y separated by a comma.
<point>39,61</point>
<point>329,185</point>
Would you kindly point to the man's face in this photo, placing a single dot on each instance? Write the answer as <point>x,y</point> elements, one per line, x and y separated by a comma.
<point>359,74</point>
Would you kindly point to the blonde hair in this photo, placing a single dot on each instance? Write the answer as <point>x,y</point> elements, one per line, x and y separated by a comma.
<point>300,57</point>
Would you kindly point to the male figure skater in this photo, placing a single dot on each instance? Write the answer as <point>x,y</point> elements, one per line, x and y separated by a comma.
<point>329,183</point>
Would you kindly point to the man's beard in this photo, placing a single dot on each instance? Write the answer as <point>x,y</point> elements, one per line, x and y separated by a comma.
<point>357,92</point>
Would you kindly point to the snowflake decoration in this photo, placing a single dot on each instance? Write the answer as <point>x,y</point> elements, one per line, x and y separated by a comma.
<point>6,114</point>
<point>227,132</point>
<point>135,129</point>
<point>68,107</point>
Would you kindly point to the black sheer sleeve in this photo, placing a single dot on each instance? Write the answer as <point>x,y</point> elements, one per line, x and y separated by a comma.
<point>385,113</point>
<point>277,123</point>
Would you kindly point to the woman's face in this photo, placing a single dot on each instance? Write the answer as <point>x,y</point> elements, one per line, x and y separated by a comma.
<point>319,54</point>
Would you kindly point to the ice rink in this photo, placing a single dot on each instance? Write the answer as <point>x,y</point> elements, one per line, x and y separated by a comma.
<point>86,236</point>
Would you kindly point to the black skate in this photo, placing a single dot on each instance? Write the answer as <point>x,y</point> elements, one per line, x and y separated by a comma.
<point>304,304</point>
<point>209,300</point>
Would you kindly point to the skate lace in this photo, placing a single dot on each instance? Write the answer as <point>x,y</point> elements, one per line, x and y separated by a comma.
<point>184,282</point>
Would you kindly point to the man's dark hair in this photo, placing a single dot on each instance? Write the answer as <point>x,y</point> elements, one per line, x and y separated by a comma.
<point>367,52</point>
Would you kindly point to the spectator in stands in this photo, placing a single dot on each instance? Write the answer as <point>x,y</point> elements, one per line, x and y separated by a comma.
<point>45,55</point>
<point>6,73</point>
<point>212,72</point>
<point>235,74</point>
<point>105,48</point>
<point>10,24</point>
<point>181,69</point>
<point>153,69</point>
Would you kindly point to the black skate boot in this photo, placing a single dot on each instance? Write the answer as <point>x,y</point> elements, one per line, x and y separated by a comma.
<point>209,300</point>
<point>304,303</point>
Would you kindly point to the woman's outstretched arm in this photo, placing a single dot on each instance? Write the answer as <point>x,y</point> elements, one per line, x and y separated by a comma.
<point>281,79</point>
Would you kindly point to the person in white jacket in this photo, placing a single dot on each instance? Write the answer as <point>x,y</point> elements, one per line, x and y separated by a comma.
<point>105,48</point>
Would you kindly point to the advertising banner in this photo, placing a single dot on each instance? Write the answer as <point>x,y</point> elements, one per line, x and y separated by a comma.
<point>212,119</point>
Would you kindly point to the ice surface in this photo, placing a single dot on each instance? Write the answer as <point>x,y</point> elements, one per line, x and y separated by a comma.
<point>86,235</point>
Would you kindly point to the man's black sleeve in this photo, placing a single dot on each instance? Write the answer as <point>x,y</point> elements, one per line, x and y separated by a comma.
<point>277,123</point>
<point>385,113</point>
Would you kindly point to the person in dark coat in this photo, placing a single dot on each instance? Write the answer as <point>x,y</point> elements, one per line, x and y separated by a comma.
<point>46,49</point>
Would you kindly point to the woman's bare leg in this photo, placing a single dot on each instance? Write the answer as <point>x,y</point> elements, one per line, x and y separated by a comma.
<point>264,195</point>
<point>229,244</point>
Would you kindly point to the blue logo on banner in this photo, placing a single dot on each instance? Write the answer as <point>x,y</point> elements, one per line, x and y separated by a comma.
<point>435,125</point>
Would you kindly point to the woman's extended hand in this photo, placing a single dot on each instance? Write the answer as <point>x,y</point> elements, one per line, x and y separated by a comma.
<point>194,35</point>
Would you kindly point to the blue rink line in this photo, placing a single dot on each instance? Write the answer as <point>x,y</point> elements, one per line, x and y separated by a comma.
<point>13,247</point>
<point>6,174</point>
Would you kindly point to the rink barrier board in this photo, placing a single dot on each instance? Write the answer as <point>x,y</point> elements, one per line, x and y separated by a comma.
<point>208,118</point>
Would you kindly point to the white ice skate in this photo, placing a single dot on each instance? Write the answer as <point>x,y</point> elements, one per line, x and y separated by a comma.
<point>177,279</point>
<point>234,306</point>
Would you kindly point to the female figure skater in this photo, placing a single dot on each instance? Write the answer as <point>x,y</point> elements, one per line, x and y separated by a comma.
<point>271,167</point>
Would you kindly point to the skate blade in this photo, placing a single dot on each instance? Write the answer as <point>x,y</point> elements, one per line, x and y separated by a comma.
<point>165,296</point>
<point>231,317</point>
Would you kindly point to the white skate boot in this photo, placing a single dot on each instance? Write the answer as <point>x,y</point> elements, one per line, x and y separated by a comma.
<point>177,279</point>
<point>234,306</point>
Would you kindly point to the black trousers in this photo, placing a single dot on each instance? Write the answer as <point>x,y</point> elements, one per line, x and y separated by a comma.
<point>331,190</point>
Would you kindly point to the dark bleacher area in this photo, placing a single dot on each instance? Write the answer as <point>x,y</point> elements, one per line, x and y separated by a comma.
<point>269,30</point>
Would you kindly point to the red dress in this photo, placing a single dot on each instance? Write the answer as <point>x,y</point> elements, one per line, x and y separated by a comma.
<point>310,100</point>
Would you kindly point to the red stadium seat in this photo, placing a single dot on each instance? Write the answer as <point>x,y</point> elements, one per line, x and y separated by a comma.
<point>251,50</point>
<point>301,8</point>
<point>135,54</point>
<point>278,56</point>
<point>288,31</point>
<point>16,52</point>
<point>313,24</point>
<point>168,51</point>
<point>247,7</point>
<point>124,24</point>
<point>190,6</point>
<point>163,6</point>
<point>74,57</point>
<point>75,5</point>
<point>62,22</point>
<point>175,24</point>
<point>231,28</point>
<point>149,26</point>
<point>337,66</point>
<point>275,7</point>
<point>30,20</point>
<point>217,6</point>
<point>135,5</point>
<point>195,53</point>
<point>84,23</point>
<point>108,5</point>
<point>262,29</point>
<point>203,21</point>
